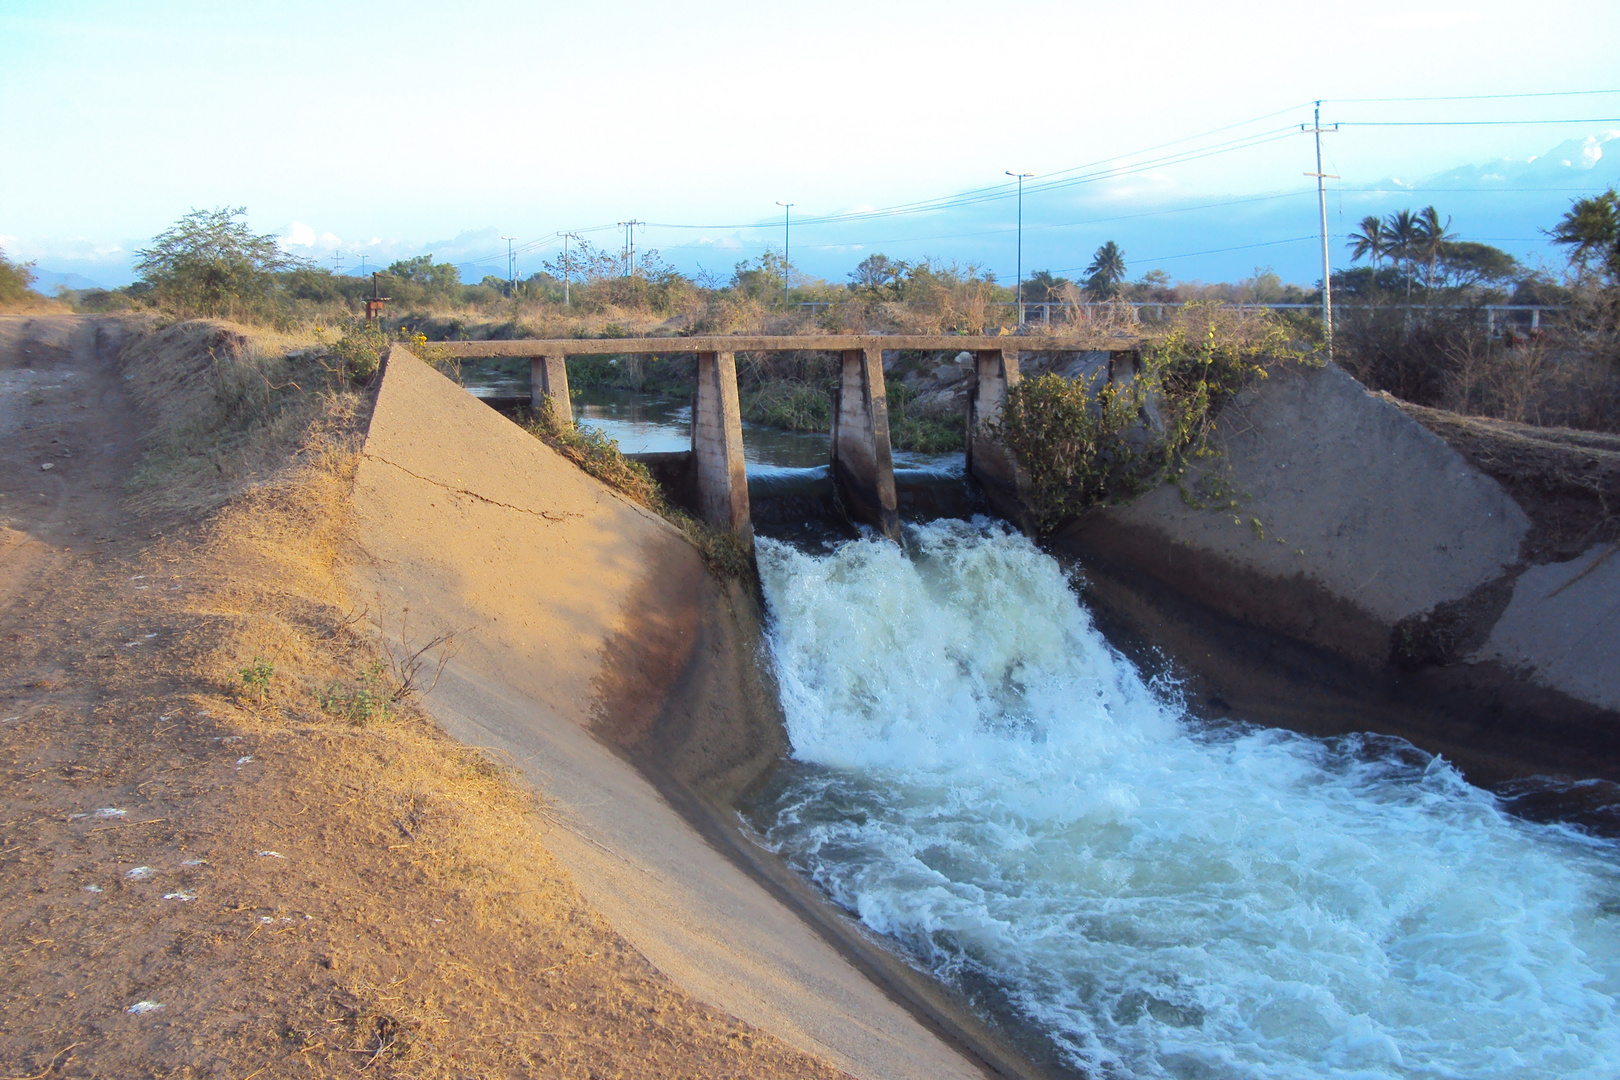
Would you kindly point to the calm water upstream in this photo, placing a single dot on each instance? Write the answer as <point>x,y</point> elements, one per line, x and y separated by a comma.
<point>978,774</point>
<point>648,424</point>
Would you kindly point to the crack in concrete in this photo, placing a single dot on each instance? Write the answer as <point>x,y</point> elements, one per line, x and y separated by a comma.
<point>543,514</point>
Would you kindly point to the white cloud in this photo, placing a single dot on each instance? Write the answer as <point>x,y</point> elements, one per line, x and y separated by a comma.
<point>300,235</point>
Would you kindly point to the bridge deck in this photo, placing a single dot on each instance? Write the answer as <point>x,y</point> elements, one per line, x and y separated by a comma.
<point>831,343</point>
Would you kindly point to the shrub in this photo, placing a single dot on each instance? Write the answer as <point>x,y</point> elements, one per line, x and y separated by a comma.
<point>795,406</point>
<point>16,280</point>
<point>1085,442</point>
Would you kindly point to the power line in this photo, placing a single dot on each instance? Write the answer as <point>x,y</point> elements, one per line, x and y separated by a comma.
<point>1476,123</point>
<point>1472,97</point>
<point>1211,251</point>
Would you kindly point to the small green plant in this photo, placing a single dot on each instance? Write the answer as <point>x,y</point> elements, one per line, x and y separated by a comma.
<point>357,355</point>
<point>256,678</point>
<point>364,702</point>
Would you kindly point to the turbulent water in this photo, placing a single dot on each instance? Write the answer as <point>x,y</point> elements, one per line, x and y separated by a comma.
<point>978,774</point>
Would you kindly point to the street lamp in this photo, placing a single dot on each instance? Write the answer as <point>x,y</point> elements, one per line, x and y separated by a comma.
<point>1019,292</point>
<point>787,214</point>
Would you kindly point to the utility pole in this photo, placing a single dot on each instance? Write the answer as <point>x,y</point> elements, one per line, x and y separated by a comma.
<point>630,246</point>
<point>363,259</point>
<point>568,267</point>
<point>511,267</point>
<point>1316,129</point>
<point>337,262</point>
<point>787,212</point>
<point>1019,292</point>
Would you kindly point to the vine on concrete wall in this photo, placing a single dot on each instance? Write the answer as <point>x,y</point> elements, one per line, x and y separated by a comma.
<point>1088,442</point>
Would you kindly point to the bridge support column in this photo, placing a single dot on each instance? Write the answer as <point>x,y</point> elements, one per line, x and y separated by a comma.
<point>717,450</point>
<point>548,378</point>
<point>988,461</point>
<point>862,459</point>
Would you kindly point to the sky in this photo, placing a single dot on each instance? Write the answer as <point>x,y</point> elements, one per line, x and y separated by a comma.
<point>386,131</point>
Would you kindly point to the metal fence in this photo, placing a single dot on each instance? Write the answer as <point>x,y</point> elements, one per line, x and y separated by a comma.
<point>1498,317</point>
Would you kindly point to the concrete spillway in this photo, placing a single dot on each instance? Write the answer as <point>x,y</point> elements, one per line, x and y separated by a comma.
<point>594,642</point>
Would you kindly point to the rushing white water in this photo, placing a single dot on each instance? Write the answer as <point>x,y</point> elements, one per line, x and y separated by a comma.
<point>979,775</point>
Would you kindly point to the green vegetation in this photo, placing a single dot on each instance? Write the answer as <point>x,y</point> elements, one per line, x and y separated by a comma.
<point>256,678</point>
<point>1106,273</point>
<point>794,406</point>
<point>16,281</point>
<point>926,433</point>
<point>1086,442</point>
<point>210,264</point>
<point>357,354</point>
<point>364,701</point>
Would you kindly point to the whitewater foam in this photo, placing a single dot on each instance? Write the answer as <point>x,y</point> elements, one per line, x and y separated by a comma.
<point>978,774</point>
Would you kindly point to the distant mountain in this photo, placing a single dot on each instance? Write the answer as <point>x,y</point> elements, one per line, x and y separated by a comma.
<point>1576,161</point>
<point>50,282</point>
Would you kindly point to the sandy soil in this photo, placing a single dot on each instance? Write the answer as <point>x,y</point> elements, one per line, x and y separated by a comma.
<point>199,877</point>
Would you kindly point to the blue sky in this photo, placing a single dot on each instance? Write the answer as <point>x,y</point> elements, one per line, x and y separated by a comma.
<point>428,127</point>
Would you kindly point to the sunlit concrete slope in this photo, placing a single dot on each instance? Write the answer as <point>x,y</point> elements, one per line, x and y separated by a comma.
<point>581,617</point>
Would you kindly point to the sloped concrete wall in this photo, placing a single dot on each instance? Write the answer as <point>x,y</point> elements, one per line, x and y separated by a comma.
<point>604,661</point>
<point>1340,567</point>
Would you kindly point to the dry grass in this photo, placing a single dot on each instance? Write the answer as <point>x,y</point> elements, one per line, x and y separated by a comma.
<point>362,899</point>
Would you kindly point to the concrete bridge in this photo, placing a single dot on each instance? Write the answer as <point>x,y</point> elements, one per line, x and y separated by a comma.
<point>862,459</point>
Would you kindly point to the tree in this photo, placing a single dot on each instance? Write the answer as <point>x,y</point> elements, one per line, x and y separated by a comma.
<point>1591,231</point>
<point>1432,238</point>
<point>423,271</point>
<point>1402,230</point>
<point>15,280</point>
<point>586,263</point>
<point>762,278</point>
<point>1371,241</point>
<point>1042,287</point>
<point>1465,264</point>
<point>210,263</point>
<point>876,273</point>
<point>1106,271</point>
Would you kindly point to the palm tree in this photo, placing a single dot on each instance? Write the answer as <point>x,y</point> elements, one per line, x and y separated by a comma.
<point>1432,238</point>
<point>1371,241</point>
<point>1106,271</point>
<point>1401,244</point>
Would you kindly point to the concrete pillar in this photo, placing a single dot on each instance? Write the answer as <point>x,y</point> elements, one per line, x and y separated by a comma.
<point>548,378</point>
<point>988,462</point>
<point>717,450</point>
<point>862,459</point>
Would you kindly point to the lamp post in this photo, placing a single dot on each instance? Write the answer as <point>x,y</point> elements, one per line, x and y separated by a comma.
<point>787,214</point>
<point>1019,291</point>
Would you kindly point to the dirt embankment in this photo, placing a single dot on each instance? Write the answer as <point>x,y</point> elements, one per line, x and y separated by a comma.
<point>219,854</point>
